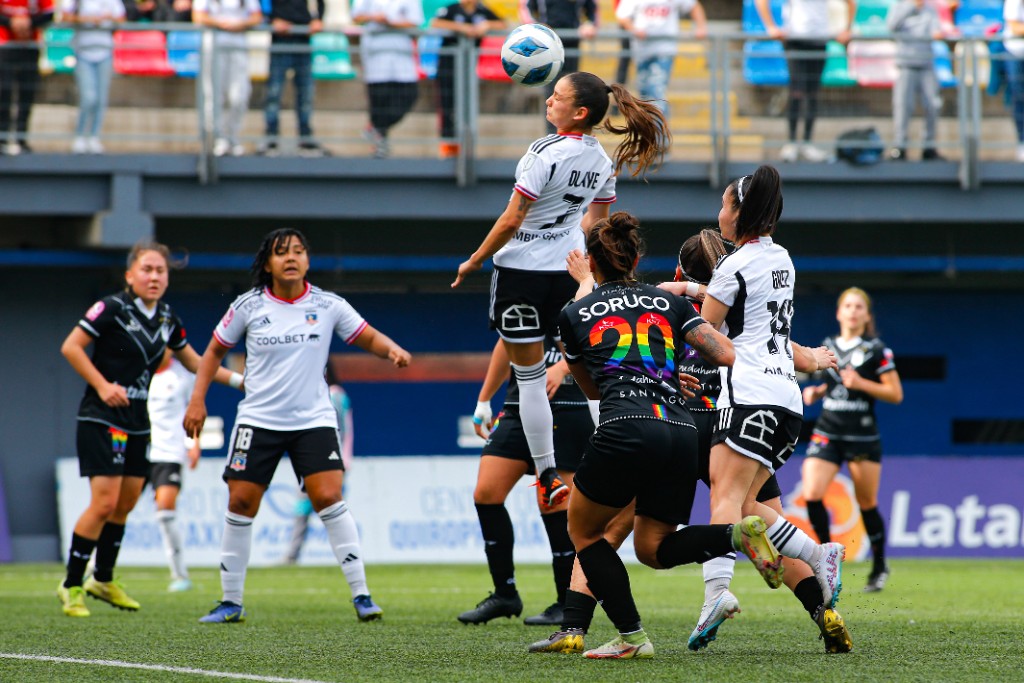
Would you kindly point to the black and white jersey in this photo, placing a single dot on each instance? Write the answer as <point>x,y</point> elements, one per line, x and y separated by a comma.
<point>848,414</point>
<point>286,349</point>
<point>568,394</point>
<point>169,394</point>
<point>630,336</point>
<point>756,281</point>
<point>563,175</point>
<point>129,344</point>
<point>706,397</point>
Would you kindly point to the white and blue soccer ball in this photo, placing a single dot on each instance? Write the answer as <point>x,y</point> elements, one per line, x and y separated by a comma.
<point>533,55</point>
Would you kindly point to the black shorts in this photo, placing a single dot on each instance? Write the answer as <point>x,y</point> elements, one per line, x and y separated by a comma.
<point>105,451</point>
<point>254,452</point>
<point>525,305</point>
<point>705,421</point>
<point>766,434</point>
<point>573,428</point>
<point>651,460</point>
<point>838,451</point>
<point>165,474</point>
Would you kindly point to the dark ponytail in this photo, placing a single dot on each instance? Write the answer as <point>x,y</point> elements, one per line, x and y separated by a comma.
<point>646,131</point>
<point>759,200</point>
<point>615,245</point>
<point>700,254</point>
<point>273,240</point>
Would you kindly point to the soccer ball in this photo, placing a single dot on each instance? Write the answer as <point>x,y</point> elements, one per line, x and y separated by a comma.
<point>533,55</point>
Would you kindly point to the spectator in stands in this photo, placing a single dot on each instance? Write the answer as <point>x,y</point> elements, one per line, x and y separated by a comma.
<point>292,23</point>
<point>655,28</point>
<point>158,10</point>
<point>580,15</point>
<point>1013,14</point>
<point>914,24</point>
<point>231,18</point>
<point>94,66</point>
<point>389,64</point>
<point>20,21</point>
<point>468,18</point>
<point>806,33</point>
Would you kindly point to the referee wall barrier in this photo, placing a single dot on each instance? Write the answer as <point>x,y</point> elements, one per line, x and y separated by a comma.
<point>420,510</point>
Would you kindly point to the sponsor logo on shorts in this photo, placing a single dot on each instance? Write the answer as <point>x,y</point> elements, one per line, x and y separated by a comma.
<point>758,427</point>
<point>520,318</point>
<point>334,456</point>
<point>238,459</point>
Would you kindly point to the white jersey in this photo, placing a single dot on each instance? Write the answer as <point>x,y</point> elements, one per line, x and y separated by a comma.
<point>756,281</point>
<point>806,19</point>
<point>286,348</point>
<point>563,175</point>
<point>659,20</point>
<point>169,393</point>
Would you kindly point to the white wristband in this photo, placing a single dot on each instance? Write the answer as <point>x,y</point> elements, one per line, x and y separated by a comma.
<point>692,289</point>
<point>235,381</point>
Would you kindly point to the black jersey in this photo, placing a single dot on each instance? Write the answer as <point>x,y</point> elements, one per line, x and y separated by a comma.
<point>128,348</point>
<point>706,397</point>
<point>631,339</point>
<point>848,414</point>
<point>569,393</point>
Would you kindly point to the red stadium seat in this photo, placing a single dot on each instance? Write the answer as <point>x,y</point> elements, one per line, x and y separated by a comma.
<point>141,53</point>
<point>488,67</point>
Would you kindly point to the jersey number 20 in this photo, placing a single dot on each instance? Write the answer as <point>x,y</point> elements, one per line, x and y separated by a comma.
<point>643,341</point>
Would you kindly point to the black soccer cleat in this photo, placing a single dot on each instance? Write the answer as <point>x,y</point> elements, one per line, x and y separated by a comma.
<point>552,616</point>
<point>492,607</point>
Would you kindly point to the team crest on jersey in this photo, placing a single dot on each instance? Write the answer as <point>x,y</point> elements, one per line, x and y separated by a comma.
<point>311,317</point>
<point>95,310</point>
<point>238,461</point>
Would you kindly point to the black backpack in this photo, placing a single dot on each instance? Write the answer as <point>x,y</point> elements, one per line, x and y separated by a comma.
<point>860,146</point>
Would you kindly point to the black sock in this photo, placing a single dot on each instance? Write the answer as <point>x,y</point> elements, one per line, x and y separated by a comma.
<point>875,526</point>
<point>609,582</point>
<point>579,610</point>
<point>78,557</point>
<point>818,516</point>
<point>698,543</point>
<point>107,547</point>
<point>562,552</point>
<point>496,527</point>
<point>808,592</point>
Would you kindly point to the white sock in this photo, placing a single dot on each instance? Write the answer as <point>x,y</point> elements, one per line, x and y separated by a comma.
<point>172,543</point>
<point>595,412</point>
<point>343,536</point>
<point>791,541</point>
<point>718,573</point>
<point>535,413</point>
<point>235,547</point>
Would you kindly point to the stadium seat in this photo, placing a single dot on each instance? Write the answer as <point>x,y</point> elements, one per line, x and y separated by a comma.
<point>429,47</point>
<point>837,72</point>
<point>764,63</point>
<point>872,62</point>
<point>331,58</point>
<point>183,52</point>
<point>869,19</point>
<point>59,56</point>
<point>141,53</point>
<point>976,18</point>
<point>430,8</point>
<point>751,21</point>
<point>258,43</point>
<point>488,66</point>
<point>943,64</point>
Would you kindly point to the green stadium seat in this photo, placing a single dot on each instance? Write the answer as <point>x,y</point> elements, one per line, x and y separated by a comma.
<point>59,56</point>
<point>430,8</point>
<point>869,19</point>
<point>837,72</point>
<point>331,58</point>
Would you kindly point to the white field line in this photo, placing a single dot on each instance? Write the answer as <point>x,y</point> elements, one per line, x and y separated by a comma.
<point>156,667</point>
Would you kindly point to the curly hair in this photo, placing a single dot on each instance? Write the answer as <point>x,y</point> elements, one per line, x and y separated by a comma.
<point>271,243</point>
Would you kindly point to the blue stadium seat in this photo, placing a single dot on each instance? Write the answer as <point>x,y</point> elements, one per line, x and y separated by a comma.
<point>943,64</point>
<point>751,20</point>
<point>429,47</point>
<point>764,63</point>
<point>974,18</point>
<point>183,52</point>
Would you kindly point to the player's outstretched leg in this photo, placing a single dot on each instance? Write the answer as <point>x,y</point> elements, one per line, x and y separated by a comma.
<point>749,537</point>
<point>712,615</point>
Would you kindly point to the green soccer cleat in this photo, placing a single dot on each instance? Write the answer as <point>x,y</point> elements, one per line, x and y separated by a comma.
<point>749,538</point>
<point>567,642</point>
<point>72,600</point>
<point>110,592</point>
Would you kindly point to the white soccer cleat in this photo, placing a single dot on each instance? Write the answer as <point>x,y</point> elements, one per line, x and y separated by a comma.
<point>712,615</point>
<point>828,569</point>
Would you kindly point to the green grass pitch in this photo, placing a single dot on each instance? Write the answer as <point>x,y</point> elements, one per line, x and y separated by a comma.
<point>937,621</point>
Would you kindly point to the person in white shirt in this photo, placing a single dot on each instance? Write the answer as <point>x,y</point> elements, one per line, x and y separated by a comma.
<point>94,66</point>
<point>655,28</point>
<point>231,19</point>
<point>750,298</point>
<point>169,451</point>
<point>564,184</point>
<point>806,32</point>
<point>389,64</point>
<point>287,324</point>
